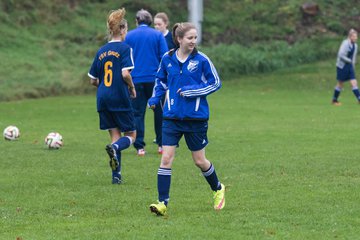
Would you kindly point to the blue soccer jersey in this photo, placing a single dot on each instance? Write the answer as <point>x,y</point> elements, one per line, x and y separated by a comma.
<point>196,77</point>
<point>108,64</point>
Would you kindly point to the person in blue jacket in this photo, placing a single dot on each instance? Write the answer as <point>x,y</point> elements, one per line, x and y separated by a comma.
<point>185,76</point>
<point>110,73</point>
<point>149,46</point>
<point>345,66</point>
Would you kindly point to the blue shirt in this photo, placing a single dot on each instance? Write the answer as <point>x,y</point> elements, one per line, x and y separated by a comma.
<point>197,78</point>
<point>149,46</point>
<point>169,41</point>
<point>109,62</point>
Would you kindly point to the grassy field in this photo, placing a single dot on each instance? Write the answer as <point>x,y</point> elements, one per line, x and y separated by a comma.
<point>288,158</point>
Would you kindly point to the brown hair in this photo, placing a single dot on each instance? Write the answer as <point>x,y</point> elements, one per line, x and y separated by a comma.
<point>163,17</point>
<point>116,22</point>
<point>180,29</point>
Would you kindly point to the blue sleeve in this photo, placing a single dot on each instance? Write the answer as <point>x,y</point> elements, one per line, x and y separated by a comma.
<point>209,84</point>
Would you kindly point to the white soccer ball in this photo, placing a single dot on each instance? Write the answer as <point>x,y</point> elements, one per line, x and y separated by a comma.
<point>54,140</point>
<point>11,133</point>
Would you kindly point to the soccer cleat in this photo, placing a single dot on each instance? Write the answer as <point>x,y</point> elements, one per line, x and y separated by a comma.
<point>160,150</point>
<point>114,163</point>
<point>336,103</point>
<point>158,208</point>
<point>141,152</point>
<point>219,198</point>
<point>116,180</point>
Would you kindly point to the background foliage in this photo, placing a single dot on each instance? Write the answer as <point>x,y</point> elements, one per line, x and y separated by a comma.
<point>47,46</point>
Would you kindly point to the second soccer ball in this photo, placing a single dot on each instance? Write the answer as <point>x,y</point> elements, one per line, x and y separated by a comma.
<point>54,140</point>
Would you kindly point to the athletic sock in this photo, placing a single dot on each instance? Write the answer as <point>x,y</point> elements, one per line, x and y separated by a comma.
<point>164,180</point>
<point>336,94</point>
<point>212,179</point>
<point>356,93</point>
<point>122,143</point>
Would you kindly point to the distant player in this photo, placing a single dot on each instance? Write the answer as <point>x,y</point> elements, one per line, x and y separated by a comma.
<point>185,76</point>
<point>110,73</point>
<point>345,66</point>
<point>161,23</point>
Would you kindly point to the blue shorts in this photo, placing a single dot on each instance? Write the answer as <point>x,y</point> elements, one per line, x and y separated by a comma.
<point>346,73</point>
<point>195,133</point>
<point>121,120</point>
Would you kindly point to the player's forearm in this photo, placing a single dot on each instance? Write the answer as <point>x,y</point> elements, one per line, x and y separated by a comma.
<point>128,80</point>
<point>94,82</point>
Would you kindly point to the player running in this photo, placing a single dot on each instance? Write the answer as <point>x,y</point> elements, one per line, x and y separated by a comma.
<point>185,76</point>
<point>110,73</point>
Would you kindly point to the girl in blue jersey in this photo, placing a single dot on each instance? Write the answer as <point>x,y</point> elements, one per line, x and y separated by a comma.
<point>110,73</point>
<point>161,23</point>
<point>185,76</point>
<point>345,67</point>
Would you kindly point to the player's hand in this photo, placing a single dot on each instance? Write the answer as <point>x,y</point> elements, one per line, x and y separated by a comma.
<point>94,82</point>
<point>132,92</point>
<point>180,92</point>
<point>152,103</point>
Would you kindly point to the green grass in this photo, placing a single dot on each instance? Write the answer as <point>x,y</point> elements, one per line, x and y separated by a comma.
<point>289,160</point>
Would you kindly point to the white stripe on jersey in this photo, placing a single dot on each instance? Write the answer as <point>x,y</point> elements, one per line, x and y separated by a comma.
<point>92,77</point>
<point>131,56</point>
<point>168,99</point>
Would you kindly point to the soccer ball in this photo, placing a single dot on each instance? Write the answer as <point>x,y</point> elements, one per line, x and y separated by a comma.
<point>11,133</point>
<point>54,140</point>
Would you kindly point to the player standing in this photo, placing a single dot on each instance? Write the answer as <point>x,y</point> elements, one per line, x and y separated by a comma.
<point>185,76</point>
<point>149,46</point>
<point>110,73</point>
<point>161,23</point>
<point>345,66</point>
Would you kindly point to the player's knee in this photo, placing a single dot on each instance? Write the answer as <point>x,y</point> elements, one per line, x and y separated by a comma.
<point>166,160</point>
<point>200,162</point>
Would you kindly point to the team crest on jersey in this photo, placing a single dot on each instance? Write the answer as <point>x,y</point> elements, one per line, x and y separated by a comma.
<point>193,66</point>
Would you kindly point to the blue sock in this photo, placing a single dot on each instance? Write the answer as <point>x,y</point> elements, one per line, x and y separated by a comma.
<point>336,93</point>
<point>212,179</point>
<point>164,180</point>
<point>117,171</point>
<point>356,93</point>
<point>122,143</point>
